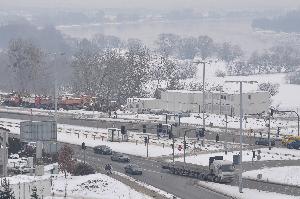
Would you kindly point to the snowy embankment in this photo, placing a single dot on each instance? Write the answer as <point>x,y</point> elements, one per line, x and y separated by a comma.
<point>95,186</point>
<point>266,154</point>
<point>289,175</point>
<point>233,192</point>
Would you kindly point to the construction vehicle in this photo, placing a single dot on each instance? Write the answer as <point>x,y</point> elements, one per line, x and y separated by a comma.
<point>219,170</point>
<point>289,139</point>
<point>12,100</point>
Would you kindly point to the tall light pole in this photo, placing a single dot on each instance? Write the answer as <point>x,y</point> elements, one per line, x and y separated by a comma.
<point>241,131</point>
<point>203,91</point>
<point>55,83</point>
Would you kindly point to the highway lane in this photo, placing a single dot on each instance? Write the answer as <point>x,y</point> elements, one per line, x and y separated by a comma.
<point>179,186</point>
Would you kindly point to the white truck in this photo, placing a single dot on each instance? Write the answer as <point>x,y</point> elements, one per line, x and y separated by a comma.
<point>219,170</point>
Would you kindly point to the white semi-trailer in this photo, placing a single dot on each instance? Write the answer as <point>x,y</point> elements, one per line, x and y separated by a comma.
<point>219,170</point>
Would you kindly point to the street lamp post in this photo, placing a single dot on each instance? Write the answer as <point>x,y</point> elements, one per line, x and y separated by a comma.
<point>203,91</point>
<point>55,83</point>
<point>241,131</point>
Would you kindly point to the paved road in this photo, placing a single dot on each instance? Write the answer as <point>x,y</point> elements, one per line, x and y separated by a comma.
<point>184,186</point>
<point>153,175</point>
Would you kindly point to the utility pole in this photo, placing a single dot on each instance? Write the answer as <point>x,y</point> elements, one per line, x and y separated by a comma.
<point>166,118</point>
<point>241,139</point>
<point>4,133</point>
<point>269,131</point>
<point>55,88</point>
<point>241,131</point>
<point>220,100</point>
<point>147,146</point>
<point>173,153</point>
<point>203,95</point>
<point>212,102</point>
<point>55,83</point>
<point>184,143</point>
<point>226,127</point>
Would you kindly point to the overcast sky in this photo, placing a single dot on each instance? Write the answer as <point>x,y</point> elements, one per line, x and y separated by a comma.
<point>200,4</point>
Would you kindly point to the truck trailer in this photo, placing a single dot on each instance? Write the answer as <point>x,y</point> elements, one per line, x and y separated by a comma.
<point>219,170</point>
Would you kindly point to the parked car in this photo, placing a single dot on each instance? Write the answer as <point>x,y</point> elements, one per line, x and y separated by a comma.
<point>264,142</point>
<point>102,149</point>
<point>21,170</point>
<point>133,169</point>
<point>14,156</point>
<point>120,157</point>
<point>294,145</point>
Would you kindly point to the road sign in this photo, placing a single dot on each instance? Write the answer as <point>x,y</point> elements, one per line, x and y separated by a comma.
<point>38,131</point>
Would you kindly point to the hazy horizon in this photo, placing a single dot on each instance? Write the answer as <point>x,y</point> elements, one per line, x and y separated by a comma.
<point>152,4</point>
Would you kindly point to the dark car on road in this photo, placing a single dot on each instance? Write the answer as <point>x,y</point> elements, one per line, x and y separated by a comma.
<point>102,149</point>
<point>294,145</point>
<point>133,169</point>
<point>120,157</point>
<point>264,142</point>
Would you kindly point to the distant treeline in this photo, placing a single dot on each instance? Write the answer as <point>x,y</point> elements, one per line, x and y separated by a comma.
<point>290,22</point>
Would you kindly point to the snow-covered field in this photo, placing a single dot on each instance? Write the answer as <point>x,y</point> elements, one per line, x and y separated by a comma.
<point>247,193</point>
<point>289,175</point>
<point>266,154</point>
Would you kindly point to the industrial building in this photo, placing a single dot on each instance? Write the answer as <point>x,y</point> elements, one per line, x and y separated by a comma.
<point>216,102</point>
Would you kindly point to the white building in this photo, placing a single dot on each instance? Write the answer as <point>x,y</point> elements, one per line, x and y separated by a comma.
<point>175,101</point>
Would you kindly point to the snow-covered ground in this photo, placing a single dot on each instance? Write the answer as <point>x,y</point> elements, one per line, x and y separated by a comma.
<point>233,191</point>
<point>266,154</point>
<point>289,175</point>
<point>95,186</point>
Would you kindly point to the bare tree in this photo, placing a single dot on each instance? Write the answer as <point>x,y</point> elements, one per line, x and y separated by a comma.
<point>187,48</point>
<point>205,46</point>
<point>167,43</point>
<point>273,89</point>
<point>26,63</point>
<point>65,160</point>
<point>229,53</point>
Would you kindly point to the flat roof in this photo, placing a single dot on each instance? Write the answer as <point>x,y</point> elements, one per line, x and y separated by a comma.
<point>224,92</point>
